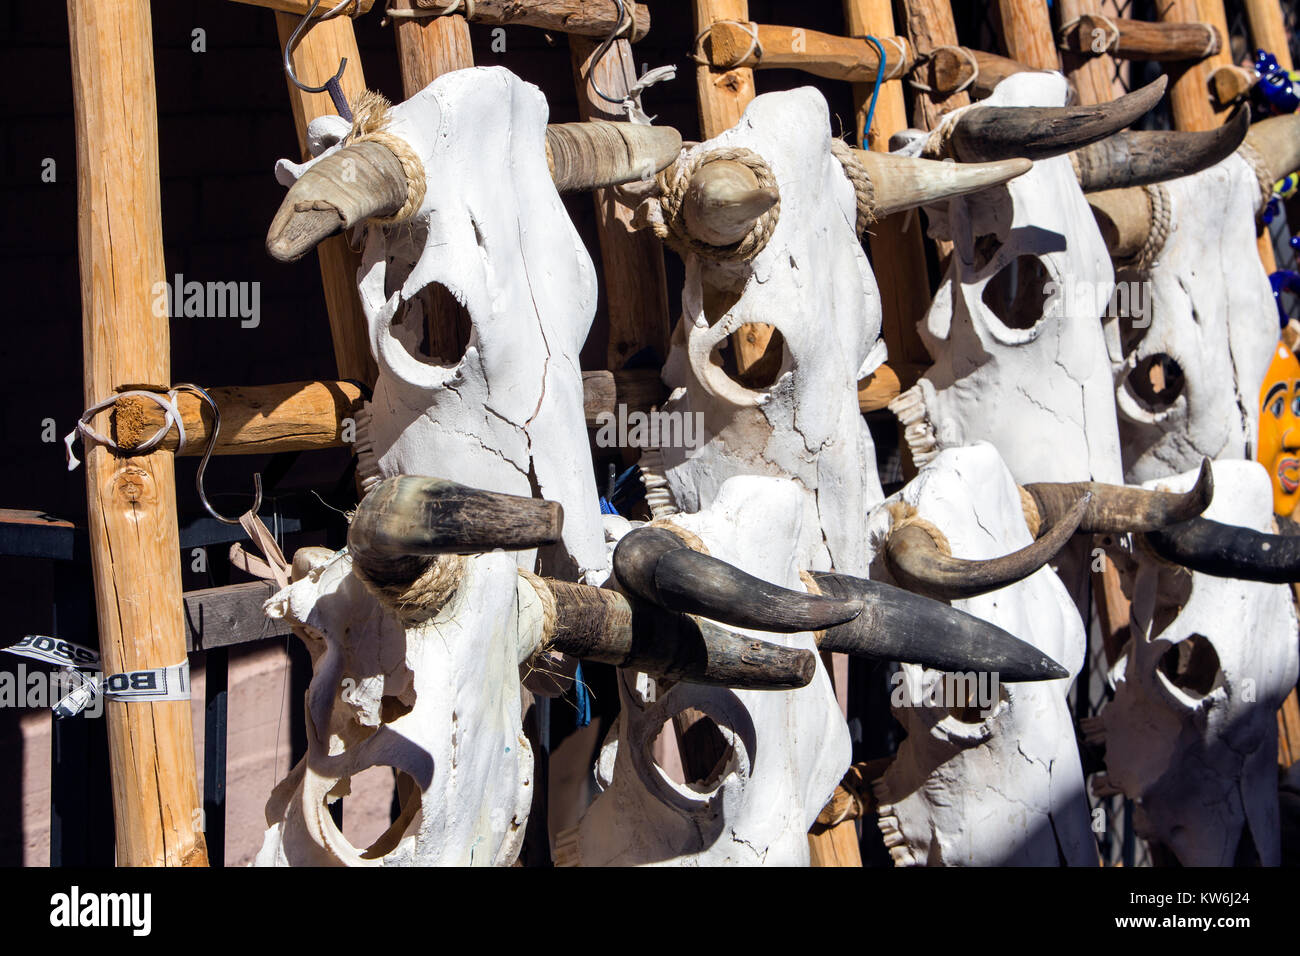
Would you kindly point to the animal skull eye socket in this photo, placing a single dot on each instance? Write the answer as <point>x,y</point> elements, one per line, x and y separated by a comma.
<point>703,751</point>
<point>1157,381</point>
<point>1018,293</point>
<point>1192,666</point>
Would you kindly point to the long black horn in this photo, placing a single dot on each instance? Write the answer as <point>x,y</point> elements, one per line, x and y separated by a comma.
<point>1229,551</point>
<point>1118,509</point>
<point>603,625</point>
<point>918,564</point>
<point>405,521</point>
<point>657,566</point>
<point>898,626</point>
<point>1140,158</point>
<point>986,133</point>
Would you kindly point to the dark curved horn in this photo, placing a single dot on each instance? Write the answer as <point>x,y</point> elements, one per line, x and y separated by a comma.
<point>986,133</point>
<point>898,626</point>
<point>657,566</point>
<point>918,565</point>
<point>1140,158</point>
<point>1117,509</point>
<point>1229,551</point>
<point>598,153</point>
<point>405,521</point>
<point>602,625</point>
<point>344,188</point>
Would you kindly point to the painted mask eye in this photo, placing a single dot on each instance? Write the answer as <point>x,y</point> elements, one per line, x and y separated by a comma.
<point>1295,406</point>
<point>1275,407</point>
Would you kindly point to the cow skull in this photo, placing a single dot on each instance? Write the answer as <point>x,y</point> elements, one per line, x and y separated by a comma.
<point>1192,333</point>
<point>993,781</point>
<point>804,273</point>
<point>1191,734</point>
<point>477,291</point>
<point>417,639</point>
<point>781,755</point>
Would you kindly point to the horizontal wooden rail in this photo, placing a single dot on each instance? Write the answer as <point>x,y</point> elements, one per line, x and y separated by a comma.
<point>1141,40</point>
<point>731,44</point>
<point>593,18</point>
<point>255,420</point>
<point>951,68</point>
<point>221,617</point>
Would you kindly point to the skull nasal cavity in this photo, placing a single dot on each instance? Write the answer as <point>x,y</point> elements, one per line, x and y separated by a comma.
<point>447,326</point>
<point>701,749</point>
<point>1157,381</point>
<point>1192,666</point>
<point>1018,294</point>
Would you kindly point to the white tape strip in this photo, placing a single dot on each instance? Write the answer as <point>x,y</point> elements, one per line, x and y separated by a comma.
<point>145,686</point>
<point>55,651</point>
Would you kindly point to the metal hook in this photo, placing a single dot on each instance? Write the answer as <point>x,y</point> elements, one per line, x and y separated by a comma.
<point>619,27</point>
<point>207,453</point>
<point>296,36</point>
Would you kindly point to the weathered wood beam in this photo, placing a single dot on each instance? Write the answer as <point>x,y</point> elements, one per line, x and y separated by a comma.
<point>950,68</point>
<point>929,26</point>
<point>1268,30</point>
<point>852,59</point>
<point>256,420</point>
<point>316,59</point>
<point>1140,40</point>
<point>632,260</point>
<point>1189,83</point>
<point>134,540</point>
<point>594,18</point>
<point>1091,72</point>
<point>300,7</point>
<point>1027,33</point>
<point>225,616</point>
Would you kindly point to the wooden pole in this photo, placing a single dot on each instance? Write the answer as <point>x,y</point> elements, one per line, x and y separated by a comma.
<point>1189,85</point>
<point>315,60</point>
<point>636,286</point>
<point>134,543</point>
<point>897,242</point>
<point>1092,74</point>
<point>930,25</point>
<point>429,47</point>
<point>1268,30</point>
<point>853,59</point>
<point>1027,33</point>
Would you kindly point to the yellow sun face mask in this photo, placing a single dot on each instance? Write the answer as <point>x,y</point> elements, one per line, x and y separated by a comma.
<point>1279,429</point>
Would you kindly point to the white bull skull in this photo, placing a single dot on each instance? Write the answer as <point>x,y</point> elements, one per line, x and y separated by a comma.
<point>437,700</point>
<point>480,294</point>
<point>416,658</point>
<point>1015,328</point>
<point>1191,734</point>
<point>992,778</point>
<point>785,751</point>
<point>1193,328</point>
<point>811,281</point>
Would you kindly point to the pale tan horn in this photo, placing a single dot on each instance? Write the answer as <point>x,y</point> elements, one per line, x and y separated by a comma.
<point>901,182</point>
<point>590,155</point>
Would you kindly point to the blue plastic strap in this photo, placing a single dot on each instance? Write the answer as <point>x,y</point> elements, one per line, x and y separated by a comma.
<point>875,92</point>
